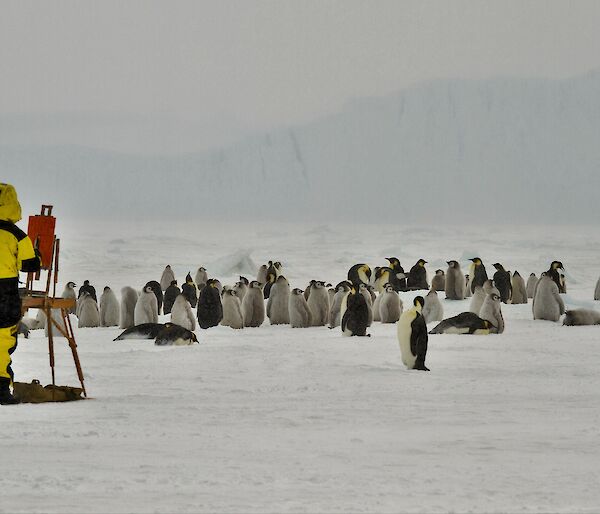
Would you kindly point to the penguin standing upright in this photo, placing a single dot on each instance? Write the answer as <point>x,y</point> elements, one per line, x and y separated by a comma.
<point>467,286</point>
<point>554,274</point>
<point>129,298</point>
<point>412,336</point>
<point>455,282</point>
<point>398,270</point>
<point>318,303</point>
<point>477,273</point>
<point>88,311</point>
<point>157,292</point>
<point>547,303</point>
<point>341,291</point>
<point>278,303</point>
<point>502,282</point>
<point>390,305</point>
<point>271,278</point>
<point>166,278</point>
<point>491,311</point>
<point>146,307</point>
<point>87,288</point>
<point>201,277</point>
<point>210,308</point>
<point>519,290</point>
<point>438,282</point>
<point>181,313</point>
<point>261,276</point>
<point>69,292</point>
<point>417,276</point>
<point>359,273</point>
<point>433,309</point>
<point>170,296</point>
<point>253,305</point>
<point>189,290</point>
<point>240,288</point>
<point>300,316</point>
<point>109,308</point>
<point>364,290</point>
<point>531,283</point>
<point>356,316</point>
<point>232,310</point>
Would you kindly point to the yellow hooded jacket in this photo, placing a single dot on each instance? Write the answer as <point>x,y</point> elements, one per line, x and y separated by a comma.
<point>16,254</point>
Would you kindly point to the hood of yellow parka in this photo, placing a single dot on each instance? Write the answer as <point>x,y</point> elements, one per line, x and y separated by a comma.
<point>10,208</point>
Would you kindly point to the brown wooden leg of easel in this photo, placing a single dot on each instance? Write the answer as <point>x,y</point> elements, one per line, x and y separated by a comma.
<point>49,321</point>
<point>71,338</point>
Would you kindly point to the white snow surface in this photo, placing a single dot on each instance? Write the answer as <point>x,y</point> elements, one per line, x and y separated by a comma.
<point>275,419</point>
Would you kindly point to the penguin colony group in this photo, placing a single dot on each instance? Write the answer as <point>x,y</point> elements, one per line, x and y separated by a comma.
<point>353,305</point>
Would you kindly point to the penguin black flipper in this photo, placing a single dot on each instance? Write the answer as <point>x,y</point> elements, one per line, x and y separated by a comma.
<point>142,331</point>
<point>418,342</point>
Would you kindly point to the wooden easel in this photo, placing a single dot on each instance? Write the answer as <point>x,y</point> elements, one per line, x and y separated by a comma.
<point>42,300</point>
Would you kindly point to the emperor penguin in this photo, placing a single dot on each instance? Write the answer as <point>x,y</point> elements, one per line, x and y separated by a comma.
<point>69,292</point>
<point>491,311</point>
<point>356,317</point>
<point>531,283</point>
<point>477,273</point>
<point>455,282</point>
<point>364,290</point>
<point>390,306</point>
<point>563,283</point>
<point>181,313</point>
<point>278,268</point>
<point>477,300</point>
<point>157,292</point>
<point>143,331</point>
<point>412,336</point>
<point>109,308</point>
<point>502,282</point>
<point>88,312</point>
<point>318,303</point>
<point>129,298</point>
<point>359,273</point>
<point>597,291</point>
<point>433,309</point>
<point>232,310</point>
<point>581,317</point>
<point>467,286</point>
<point>464,323</point>
<point>146,307</point>
<point>417,276</point>
<point>261,276</point>
<point>399,270</point>
<point>201,277</point>
<point>166,278</point>
<point>240,289</point>
<point>385,275</point>
<point>519,291</point>
<point>278,303</point>
<point>300,316</point>
<point>253,305</point>
<point>210,308</point>
<point>271,278</point>
<point>189,290</point>
<point>170,296</point>
<point>438,282</point>
<point>341,291</point>
<point>87,288</point>
<point>176,335</point>
<point>554,274</point>
<point>547,303</point>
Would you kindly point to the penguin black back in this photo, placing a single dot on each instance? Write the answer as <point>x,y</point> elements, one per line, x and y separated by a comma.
<point>210,308</point>
<point>503,283</point>
<point>157,290</point>
<point>417,276</point>
<point>478,273</point>
<point>356,317</point>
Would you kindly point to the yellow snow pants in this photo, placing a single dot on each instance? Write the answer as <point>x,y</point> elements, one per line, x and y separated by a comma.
<point>8,344</point>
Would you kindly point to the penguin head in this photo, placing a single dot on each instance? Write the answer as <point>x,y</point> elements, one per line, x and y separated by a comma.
<point>383,272</point>
<point>168,266</point>
<point>452,264</point>
<point>188,278</point>
<point>297,291</point>
<point>281,280</point>
<point>476,261</point>
<point>86,282</point>
<point>389,288</point>
<point>495,298</point>
<point>318,284</point>
<point>202,269</point>
<point>230,292</point>
<point>516,274</point>
<point>255,284</point>
<point>173,282</point>
<point>148,289</point>
<point>498,266</point>
<point>243,280</point>
<point>71,285</point>
<point>343,286</point>
<point>421,262</point>
<point>557,265</point>
<point>439,272</point>
<point>419,302</point>
<point>106,288</point>
<point>394,262</point>
<point>432,292</point>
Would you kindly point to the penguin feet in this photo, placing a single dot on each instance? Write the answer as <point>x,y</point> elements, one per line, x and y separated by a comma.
<point>422,367</point>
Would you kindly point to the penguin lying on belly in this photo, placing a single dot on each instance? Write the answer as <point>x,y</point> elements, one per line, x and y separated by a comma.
<point>465,323</point>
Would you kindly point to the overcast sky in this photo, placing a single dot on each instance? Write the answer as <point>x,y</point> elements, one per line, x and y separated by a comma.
<point>141,75</point>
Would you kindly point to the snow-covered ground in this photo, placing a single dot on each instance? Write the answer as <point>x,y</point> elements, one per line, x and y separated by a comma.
<point>276,419</point>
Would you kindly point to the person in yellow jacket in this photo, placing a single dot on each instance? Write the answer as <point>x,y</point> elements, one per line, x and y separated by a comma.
<point>16,254</point>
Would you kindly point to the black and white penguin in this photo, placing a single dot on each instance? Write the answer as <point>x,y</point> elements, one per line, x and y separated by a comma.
<point>87,288</point>
<point>464,323</point>
<point>157,292</point>
<point>166,278</point>
<point>554,274</point>
<point>356,317</point>
<point>412,336</point>
<point>438,282</point>
<point>359,273</point>
<point>142,331</point>
<point>189,290</point>
<point>503,283</point>
<point>417,276</point>
<point>384,275</point>
<point>175,335</point>
<point>271,278</point>
<point>210,308</point>
<point>171,294</point>
<point>399,270</point>
<point>477,273</point>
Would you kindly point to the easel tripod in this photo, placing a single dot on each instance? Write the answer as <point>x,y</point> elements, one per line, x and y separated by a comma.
<point>42,300</point>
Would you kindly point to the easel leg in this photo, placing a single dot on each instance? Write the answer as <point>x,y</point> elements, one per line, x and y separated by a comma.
<point>49,320</point>
<point>73,345</point>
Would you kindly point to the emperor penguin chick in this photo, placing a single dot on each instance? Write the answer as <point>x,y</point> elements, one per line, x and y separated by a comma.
<point>547,303</point>
<point>88,312</point>
<point>166,278</point>
<point>531,283</point>
<point>467,286</point>
<point>181,313</point>
<point>491,311</point>
<point>278,303</point>
<point>390,305</point>
<point>253,305</point>
<point>201,277</point>
<point>109,308</point>
<point>129,298</point>
<point>318,303</point>
<point>477,300</point>
<point>519,290</point>
<point>69,292</point>
<point>455,282</point>
<point>433,309</point>
<point>335,316</point>
<point>240,289</point>
<point>438,282</point>
<point>581,317</point>
<point>261,276</point>
<point>146,307</point>
<point>412,336</point>
<point>232,310</point>
<point>300,316</point>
